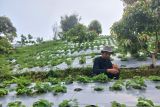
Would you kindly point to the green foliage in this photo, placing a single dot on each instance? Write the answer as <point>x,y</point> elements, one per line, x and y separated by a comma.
<point>22,81</point>
<point>15,104</point>
<point>154,78</point>
<point>69,61</point>
<point>116,104</point>
<point>3,92</point>
<point>158,86</point>
<point>5,46</point>
<point>95,26</point>
<point>98,88</point>
<point>59,89</point>
<point>68,22</point>
<point>53,81</point>
<point>117,85</point>
<point>42,103</point>
<point>136,83</point>
<point>42,87</point>
<point>82,60</point>
<point>69,80</point>
<point>26,40</point>
<point>7,28</point>
<point>101,78</point>
<point>24,91</point>
<point>79,34</point>
<point>142,102</point>
<point>83,79</point>
<point>134,30</point>
<point>69,103</point>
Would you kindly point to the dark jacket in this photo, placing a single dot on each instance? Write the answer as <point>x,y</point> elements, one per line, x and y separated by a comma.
<point>101,65</point>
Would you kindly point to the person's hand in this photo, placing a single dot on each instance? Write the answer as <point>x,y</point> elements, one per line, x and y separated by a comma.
<point>115,66</point>
<point>113,71</point>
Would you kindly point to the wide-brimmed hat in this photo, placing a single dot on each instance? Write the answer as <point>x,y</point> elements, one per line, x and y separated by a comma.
<point>107,49</point>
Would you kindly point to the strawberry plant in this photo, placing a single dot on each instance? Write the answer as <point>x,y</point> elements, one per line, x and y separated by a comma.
<point>117,85</point>
<point>116,104</point>
<point>102,78</point>
<point>154,78</point>
<point>83,79</point>
<point>142,102</point>
<point>98,88</point>
<point>42,103</point>
<point>15,104</point>
<point>59,89</point>
<point>3,92</point>
<point>136,83</point>
<point>69,103</point>
<point>82,60</point>
<point>42,87</point>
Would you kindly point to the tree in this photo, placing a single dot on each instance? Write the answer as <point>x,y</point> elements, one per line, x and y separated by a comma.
<point>132,31</point>
<point>7,28</point>
<point>80,34</point>
<point>55,31</point>
<point>68,22</point>
<point>5,46</point>
<point>39,40</point>
<point>95,26</point>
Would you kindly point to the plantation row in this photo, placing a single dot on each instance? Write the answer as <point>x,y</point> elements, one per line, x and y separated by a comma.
<point>24,86</point>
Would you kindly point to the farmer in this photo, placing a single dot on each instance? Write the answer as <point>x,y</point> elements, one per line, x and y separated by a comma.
<point>103,64</point>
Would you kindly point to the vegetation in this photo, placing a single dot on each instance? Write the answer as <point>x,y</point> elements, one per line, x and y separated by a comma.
<point>7,28</point>
<point>15,104</point>
<point>101,78</point>
<point>69,103</point>
<point>117,85</point>
<point>3,92</point>
<point>83,79</point>
<point>42,103</point>
<point>95,26</point>
<point>142,102</point>
<point>59,89</point>
<point>98,88</point>
<point>116,104</point>
<point>136,83</point>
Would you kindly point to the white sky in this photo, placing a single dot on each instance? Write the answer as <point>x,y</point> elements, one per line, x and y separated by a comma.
<point>37,16</point>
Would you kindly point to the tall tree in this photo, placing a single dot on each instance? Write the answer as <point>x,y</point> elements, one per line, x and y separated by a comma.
<point>7,28</point>
<point>95,26</point>
<point>68,22</point>
<point>134,29</point>
<point>80,34</point>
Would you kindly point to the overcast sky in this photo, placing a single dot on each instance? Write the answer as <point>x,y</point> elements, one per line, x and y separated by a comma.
<point>36,17</point>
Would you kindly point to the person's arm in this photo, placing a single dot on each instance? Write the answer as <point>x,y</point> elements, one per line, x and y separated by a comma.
<point>96,68</point>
